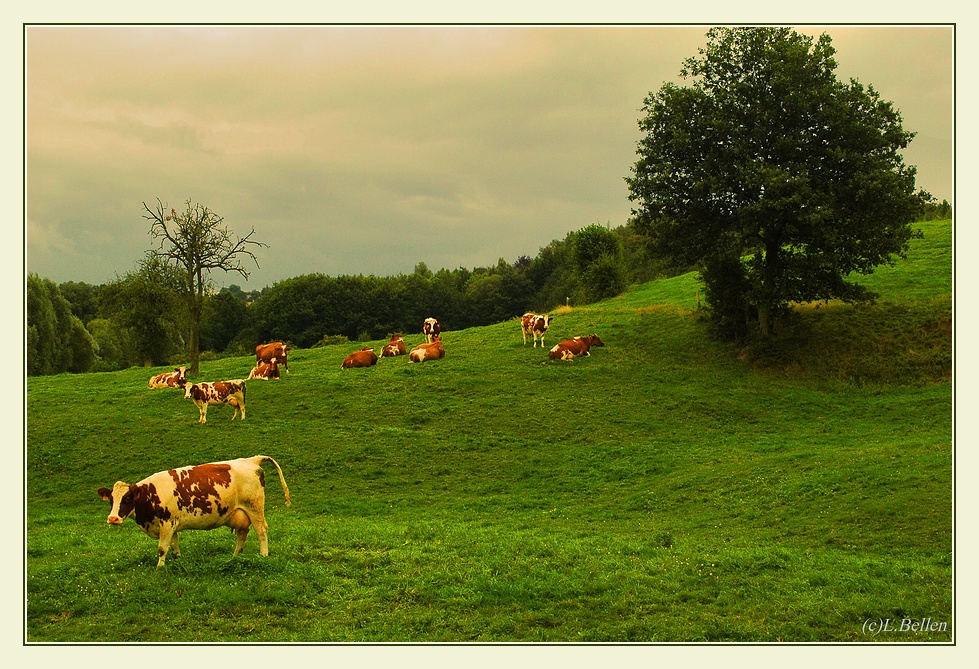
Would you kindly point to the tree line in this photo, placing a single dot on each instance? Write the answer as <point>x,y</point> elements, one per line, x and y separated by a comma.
<point>141,318</point>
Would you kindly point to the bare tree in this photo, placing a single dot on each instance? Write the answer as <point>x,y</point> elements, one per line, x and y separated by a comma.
<point>196,242</point>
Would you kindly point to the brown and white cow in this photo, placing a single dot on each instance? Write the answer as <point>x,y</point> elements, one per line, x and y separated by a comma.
<point>394,347</point>
<point>424,352</point>
<point>217,393</point>
<point>576,347</point>
<point>199,497</point>
<point>362,358</point>
<point>431,329</point>
<point>175,379</point>
<point>265,370</point>
<point>535,325</point>
<point>277,350</point>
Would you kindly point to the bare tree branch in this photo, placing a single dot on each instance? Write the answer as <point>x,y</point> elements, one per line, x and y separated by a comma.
<point>197,243</point>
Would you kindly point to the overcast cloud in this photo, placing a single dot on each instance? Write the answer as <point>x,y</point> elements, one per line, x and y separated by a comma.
<point>365,150</point>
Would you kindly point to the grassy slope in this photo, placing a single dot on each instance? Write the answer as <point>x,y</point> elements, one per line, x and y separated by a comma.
<point>660,490</point>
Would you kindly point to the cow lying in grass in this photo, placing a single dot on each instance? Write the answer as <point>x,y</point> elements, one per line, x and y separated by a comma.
<point>576,347</point>
<point>265,370</point>
<point>362,358</point>
<point>175,379</point>
<point>423,352</point>
<point>394,347</point>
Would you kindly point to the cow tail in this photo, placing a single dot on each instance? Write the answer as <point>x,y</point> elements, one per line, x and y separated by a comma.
<point>282,479</point>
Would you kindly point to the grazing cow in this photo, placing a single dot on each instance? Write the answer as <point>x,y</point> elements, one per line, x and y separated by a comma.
<point>218,393</point>
<point>572,348</point>
<point>431,329</point>
<point>535,325</point>
<point>265,370</point>
<point>394,347</point>
<point>277,350</point>
<point>362,358</point>
<point>175,379</point>
<point>424,352</point>
<point>200,497</point>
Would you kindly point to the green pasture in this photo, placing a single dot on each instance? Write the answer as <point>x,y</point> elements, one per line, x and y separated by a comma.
<point>666,488</point>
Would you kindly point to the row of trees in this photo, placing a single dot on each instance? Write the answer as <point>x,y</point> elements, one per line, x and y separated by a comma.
<point>145,318</point>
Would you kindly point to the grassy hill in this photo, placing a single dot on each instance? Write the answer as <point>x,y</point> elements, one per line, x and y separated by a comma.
<point>663,489</point>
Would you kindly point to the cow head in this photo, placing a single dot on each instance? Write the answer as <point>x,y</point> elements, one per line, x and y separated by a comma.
<point>122,501</point>
<point>181,378</point>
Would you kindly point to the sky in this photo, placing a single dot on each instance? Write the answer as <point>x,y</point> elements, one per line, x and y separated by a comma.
<point>369,149</point>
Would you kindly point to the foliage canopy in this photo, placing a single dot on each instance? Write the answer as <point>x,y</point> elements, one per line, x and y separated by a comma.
<point>771,172</point>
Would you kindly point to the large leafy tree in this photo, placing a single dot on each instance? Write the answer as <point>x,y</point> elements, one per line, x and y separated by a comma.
<point>599,265</point>
<point>224,317</point>
<point>197,242</point>
<point>775,177</point>
<point>146,305</point>
<point>56,340</point>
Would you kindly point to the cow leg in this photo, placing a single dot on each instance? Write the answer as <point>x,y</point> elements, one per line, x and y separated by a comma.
<point>253,516</point>
<point>242,533</point>
<point>262,530</point>
<point>174,546</point>
<point>166,536</point>
<point>203,418</point>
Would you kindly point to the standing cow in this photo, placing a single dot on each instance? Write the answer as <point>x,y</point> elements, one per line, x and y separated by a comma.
<point>431,329</point>
<point>536,326</point>
<point>175,379</point>
<point>217,393</point>
<point>277,350</point>
<point>362,358</point>
<point>199,497</point>
<point>570,349</point>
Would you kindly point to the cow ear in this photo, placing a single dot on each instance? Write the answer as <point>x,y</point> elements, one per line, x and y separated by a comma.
<point>104,493</point>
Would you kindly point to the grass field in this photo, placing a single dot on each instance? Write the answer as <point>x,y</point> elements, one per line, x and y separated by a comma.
<point>666,488</point>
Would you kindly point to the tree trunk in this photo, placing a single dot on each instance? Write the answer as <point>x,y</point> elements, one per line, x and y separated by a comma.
<point>764,319</point>
<point>195,347</point>
<point>196,307</point>
<point>768,290</point>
